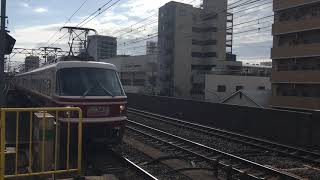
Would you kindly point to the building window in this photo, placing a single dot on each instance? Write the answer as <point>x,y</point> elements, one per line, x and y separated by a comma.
<point>261,88</point>
<point>204,43</point>
<point>182,12</point>
<point>239,88</point>
<point>203,55</point>
<point>204,30</point>
<point>221,88</point>
<point>139,82</point>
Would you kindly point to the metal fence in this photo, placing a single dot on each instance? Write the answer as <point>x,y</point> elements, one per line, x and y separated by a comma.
<point>30,136</point>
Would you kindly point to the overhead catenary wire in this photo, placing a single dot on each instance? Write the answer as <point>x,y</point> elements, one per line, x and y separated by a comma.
<point>240,4</point>
<point>95,14</point>
<point>144,19</point>
<point>132,30</point>
<point>100,11</point>
<point>251,7</point>
<point>67,21</point>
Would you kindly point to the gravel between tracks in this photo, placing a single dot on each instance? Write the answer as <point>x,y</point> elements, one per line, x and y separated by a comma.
<point>274,160</point>
<point>158,170</point>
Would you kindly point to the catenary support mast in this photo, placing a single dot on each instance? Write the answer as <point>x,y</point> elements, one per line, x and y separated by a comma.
<point>2,51</point>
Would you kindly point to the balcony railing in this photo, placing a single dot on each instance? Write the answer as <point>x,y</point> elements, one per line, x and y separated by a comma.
<point>295,102</point>
<point>302,50</point>
<point>286,4</point>
<point>296,77</point>
<point>295,26</point>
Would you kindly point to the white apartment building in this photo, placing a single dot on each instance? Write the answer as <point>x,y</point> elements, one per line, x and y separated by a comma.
<point>220,87</point>
<point>192,42</point>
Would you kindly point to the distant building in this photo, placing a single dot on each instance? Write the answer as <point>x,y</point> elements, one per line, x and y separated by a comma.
<point>31,62</point>
<point>102,47</point>
<point>192,41</point>
<point>138,74</point>
<point>219,87</point>
<point>251,70</point>
<point>152,48</point>
<point>296,54</point>
<point>267,63</point>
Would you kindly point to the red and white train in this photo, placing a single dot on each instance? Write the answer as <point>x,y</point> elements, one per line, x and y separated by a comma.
<point>95,87</point>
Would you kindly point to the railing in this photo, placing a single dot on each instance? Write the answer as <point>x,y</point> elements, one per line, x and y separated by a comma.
<point>41,135</point>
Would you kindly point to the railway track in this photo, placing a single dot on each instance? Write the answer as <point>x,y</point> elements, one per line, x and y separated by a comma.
<point>298,153</point>
<point>139,170</point>
<point>114,163</point>
<point>233,166</point>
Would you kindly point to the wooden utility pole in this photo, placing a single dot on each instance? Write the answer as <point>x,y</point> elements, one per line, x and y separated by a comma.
<point>2,51</point>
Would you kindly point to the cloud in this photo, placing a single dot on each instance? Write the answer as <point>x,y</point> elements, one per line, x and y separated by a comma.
<point>24,4</point>
<point>40,10</point>
<point>247,46</point>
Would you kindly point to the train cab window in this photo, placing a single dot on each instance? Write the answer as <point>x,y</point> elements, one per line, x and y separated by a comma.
<point>89,82</point>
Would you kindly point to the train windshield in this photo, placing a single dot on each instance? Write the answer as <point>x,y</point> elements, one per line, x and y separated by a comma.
<point>89,82</point>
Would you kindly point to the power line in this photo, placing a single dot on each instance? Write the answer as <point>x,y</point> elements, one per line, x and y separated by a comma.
<point>245,22</point>
<point>147,24</point>
<point>250,12</point>
<point>153,15</point>
<point>68,20</point>
<point>235,2</point>
<point>259,5</point>
<point>100,11</point>
<point>85,21</point>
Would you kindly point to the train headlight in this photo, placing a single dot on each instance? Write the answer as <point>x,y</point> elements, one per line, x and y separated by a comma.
<point>122,109</point>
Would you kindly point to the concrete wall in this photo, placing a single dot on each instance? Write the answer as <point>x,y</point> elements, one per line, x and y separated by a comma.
<point>250,83</point>
<point>294,128</point>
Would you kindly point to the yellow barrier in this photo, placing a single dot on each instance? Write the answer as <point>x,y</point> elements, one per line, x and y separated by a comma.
<point>55,112</point>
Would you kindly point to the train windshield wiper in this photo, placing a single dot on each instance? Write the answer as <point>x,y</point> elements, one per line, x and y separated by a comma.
<point>88,90</point>
<point>97,83</point>
<point>105,90</point>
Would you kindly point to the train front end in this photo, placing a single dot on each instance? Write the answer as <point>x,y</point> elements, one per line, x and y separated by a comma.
<point>97,90</point>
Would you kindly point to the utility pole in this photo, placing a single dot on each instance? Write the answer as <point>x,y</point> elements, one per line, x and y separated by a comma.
<point>2,51</point>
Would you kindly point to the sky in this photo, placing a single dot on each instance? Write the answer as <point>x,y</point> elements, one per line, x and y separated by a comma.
<point>36,23</point>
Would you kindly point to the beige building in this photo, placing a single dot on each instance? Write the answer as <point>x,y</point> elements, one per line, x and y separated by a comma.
<point>220,87</point>
<point>192,42</point>
<point>296,54</point>
<point>138,74</point>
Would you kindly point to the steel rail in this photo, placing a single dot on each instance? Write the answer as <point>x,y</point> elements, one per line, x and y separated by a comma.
<point>237,164</point>
<point>145,174</point>
<point>286,150</point>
